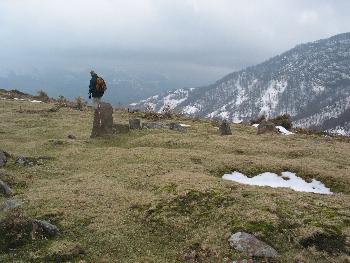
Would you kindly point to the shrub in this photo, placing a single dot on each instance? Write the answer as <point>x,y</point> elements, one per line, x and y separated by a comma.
<point>80,103</point>
<point>62,101</point>
<point>15,230</point>
<point>283,120</point>
<point>167,111</point>
<point>259,119</point>
<point>42,95</point>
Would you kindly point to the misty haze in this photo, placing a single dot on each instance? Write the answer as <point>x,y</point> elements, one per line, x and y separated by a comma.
<point>175,131</point>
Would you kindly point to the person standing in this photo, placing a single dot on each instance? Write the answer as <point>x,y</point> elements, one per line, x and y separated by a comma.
<point>97,88</point>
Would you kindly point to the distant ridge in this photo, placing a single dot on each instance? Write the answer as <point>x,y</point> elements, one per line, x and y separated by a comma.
<point>311,82</point>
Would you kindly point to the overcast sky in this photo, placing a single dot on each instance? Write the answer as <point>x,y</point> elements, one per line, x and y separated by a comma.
<point>213,35</point>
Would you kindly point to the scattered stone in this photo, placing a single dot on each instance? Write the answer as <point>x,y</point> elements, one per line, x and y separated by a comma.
<point>10,204</point>
<point>176,127</point>
<point>225,128</point>
<point>22,160</point>
<point>5,189</point>
<point>30,161</point>
<point>135,124</point>
<point>266,127</point>
<point>103,121</point>
<point>153,125</point>
<point>249,244</point>
<point>56,142</point>
<point>3,158</point>
<point>44,227</point>
<point>243,261</point>
<point>72,137</point>
<point>120,128</point>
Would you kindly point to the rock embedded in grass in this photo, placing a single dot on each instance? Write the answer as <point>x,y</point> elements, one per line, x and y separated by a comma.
<point>46,228</point>
<point>5,189</point>
<point>176,127</point>
<point>10,204</point>
<point>22,160</point>
<point>3,158</point>
<point>153,125</point>
<point>56,142</point>
<point>249,244</point>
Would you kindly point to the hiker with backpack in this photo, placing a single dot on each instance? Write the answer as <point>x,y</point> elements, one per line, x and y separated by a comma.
<point>97,88</point>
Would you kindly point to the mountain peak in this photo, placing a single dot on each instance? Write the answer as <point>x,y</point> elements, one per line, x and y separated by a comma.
<point>310,82</point>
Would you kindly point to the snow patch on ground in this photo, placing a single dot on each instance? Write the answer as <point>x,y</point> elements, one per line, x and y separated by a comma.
<point>284,130</point>
<point>184,125</point>
<point>36,101</point>
<point>287,179</point>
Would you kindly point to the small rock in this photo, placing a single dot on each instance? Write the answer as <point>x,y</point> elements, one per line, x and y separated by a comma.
<point>153,125</point>
<point>22,160</point>
<point>72,137</point>
<point>5,189</point>
<point>176,127</point>
<point>225,128</point>
<point>45,227</point>
<point>10,204</point>
<point>56,142</point>
<point>243,261</point>
<point>3,158</point>
<point>135,124</point>
<point>249,244</point>
<point>266,127</point>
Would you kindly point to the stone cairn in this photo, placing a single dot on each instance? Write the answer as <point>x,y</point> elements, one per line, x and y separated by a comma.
<point>225,128</point>
<point>103,121</point>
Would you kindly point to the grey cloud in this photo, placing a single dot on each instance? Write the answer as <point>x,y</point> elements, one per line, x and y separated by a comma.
<point>220,35</point>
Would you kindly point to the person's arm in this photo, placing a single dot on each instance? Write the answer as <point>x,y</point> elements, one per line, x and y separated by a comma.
<point>92,85</point>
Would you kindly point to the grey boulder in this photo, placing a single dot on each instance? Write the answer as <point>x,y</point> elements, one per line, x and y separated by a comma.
<point>250,245</point>
<point>3,158</point>
<point>176,127</point>
<point>45,227</point>
<point>5,189</point>
<point>10,204</point>
<point>153,125</point>
<point>22,160</point>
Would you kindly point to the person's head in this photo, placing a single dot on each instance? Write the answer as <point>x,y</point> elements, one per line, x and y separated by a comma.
<point>92,73</point>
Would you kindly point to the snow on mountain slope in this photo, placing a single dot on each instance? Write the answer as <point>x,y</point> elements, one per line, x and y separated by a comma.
<point>311,82</point>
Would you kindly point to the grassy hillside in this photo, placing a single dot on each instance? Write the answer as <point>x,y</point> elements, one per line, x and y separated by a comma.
<point>158,196</point>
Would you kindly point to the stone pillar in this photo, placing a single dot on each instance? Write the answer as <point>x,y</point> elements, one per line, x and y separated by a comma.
<point>103,120</point>
<point>225,128</point>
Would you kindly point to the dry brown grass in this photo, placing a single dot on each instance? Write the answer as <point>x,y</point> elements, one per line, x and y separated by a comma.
<point>157,195</point>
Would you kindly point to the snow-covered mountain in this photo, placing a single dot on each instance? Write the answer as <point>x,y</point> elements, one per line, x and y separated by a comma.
<point>311,82</point>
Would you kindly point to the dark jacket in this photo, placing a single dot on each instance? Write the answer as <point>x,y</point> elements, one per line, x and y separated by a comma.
<point>92,87</point>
